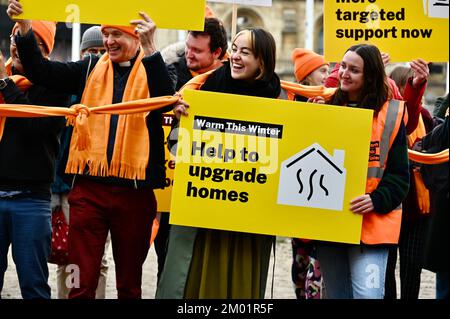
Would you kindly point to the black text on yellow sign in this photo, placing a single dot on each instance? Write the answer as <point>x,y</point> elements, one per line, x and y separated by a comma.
<point>393,26</point>
<point>221,153</point>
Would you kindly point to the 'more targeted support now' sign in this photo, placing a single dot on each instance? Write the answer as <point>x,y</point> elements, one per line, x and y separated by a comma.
<point>270,166</point>
<point>406,29</point>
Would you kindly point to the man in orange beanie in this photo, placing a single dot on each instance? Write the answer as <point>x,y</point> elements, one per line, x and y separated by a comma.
<point>28,151</point>
<point>310,68</point>
<point>113,180</point>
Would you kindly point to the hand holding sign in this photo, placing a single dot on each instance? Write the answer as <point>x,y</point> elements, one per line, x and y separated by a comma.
<point>316,99</point>
<point>14,9</point>
<point>145,28</point>
<point>362,204</point>
<point>181,109</point>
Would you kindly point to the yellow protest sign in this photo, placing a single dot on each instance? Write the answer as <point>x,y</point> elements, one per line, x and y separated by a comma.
<point>173,14</point>
<point>270,166</point>
<point>163,195</point>
<point>406,29</point>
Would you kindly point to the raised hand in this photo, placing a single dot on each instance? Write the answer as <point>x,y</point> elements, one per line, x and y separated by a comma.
<point>13,10</point>
<point>421,71</point>
<point>386,58</point>
<point>145,28</point>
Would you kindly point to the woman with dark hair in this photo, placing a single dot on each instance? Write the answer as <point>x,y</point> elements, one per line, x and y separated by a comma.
<point>207,263</point>
<point>358,271</point>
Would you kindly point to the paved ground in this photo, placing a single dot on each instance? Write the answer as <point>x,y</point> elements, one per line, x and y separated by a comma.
<point>282,288</point>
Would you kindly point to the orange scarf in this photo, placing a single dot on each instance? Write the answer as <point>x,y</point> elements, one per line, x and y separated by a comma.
<point>196,82</point>
<point>21,82</point>
<point>292,88</point>
<point>422,193</point>
<point>423,197</point>
<point>428,158</point>
<point>307,90</point>
<point>77,114</point>
<point>132,144</point>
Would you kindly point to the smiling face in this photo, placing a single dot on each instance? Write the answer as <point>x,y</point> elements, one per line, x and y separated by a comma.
<point>318,76</point>
<point>244,64</point>
<point>199,57</point>
<point>351,75</point>
<point>120,46</point>
<point>15,54</point>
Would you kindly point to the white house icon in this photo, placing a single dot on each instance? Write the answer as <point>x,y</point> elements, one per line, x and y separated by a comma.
<point>313,178</point>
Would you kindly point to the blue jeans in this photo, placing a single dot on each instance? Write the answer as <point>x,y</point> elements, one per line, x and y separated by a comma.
<point>25,223</point>
<point>352,271</point>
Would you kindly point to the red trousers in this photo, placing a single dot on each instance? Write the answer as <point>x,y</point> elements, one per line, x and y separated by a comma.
<point>128,213</point>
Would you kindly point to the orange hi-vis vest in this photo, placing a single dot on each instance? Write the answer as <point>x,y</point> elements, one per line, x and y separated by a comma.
<point>382,228</point>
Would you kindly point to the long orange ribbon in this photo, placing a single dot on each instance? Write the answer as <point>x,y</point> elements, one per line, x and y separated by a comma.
<point>77,114</point>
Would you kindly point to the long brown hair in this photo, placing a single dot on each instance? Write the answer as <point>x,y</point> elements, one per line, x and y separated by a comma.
<point>375,91</point>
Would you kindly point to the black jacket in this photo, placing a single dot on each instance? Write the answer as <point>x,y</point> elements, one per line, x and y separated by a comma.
<point>221,81</point>
<point>436,179</point>
<point>183,75</point>
<point>30,145</point>
<point>71,78</point>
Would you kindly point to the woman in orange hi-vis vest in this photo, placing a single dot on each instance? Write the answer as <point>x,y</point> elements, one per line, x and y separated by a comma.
<point>358,271</point>
<point>206,263</point>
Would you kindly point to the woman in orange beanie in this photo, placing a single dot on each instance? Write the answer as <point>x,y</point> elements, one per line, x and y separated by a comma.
<point>310,68</point>
<point>44,32</point>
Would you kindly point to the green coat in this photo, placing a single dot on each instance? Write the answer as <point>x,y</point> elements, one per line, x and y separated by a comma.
<point>206,263</point>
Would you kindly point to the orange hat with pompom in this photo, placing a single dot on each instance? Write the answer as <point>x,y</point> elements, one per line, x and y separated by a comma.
<point>46,30</point>
<point>305,62</point>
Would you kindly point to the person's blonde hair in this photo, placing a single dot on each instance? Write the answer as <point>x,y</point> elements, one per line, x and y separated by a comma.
<point>400,75</point>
